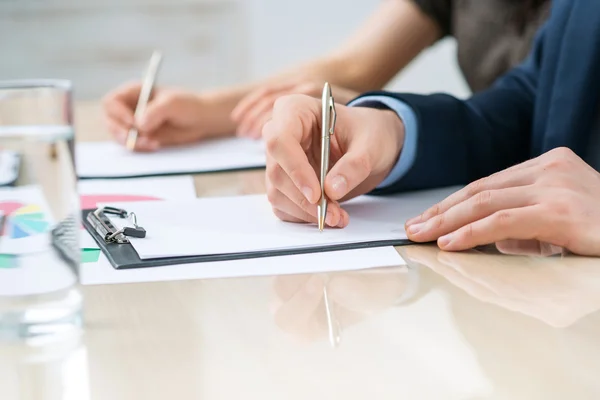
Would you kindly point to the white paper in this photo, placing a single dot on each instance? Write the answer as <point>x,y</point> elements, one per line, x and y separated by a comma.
<point>28,220</point>
<point>228,225</point>
<point>346,260</point>
<point>108,191</point>
<point>110,160</point>
<point>38,273</point>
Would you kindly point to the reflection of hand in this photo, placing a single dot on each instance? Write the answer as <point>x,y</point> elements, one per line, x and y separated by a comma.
<point>558,291</point>
<point>537,200</point>
<point>300,308</point>
<point>173,117</point>
<point>254,110</point>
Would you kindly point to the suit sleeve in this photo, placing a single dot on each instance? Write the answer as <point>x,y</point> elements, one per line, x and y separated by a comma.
<point>459,141</point>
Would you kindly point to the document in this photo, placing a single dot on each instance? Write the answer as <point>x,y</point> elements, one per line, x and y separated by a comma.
<point>246,224</point>
<point>103,191</point>
<point>103,272</point>
<point>112,160</point>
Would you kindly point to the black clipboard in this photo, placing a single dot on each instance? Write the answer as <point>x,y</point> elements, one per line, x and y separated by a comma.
<point>124,256</point>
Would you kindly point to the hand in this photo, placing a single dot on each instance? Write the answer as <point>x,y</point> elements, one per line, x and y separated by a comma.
<point>172,117</point>
<point>254,110</point>
<point>364,148</point>
<point>552,200</point>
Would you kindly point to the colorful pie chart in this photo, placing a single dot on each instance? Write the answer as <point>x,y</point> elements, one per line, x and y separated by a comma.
<point>26,221</point>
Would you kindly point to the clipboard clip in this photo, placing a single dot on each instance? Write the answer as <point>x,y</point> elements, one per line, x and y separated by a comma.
<point>106,229</point>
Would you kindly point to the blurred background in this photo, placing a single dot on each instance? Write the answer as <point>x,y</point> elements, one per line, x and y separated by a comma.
<point>206,43</point>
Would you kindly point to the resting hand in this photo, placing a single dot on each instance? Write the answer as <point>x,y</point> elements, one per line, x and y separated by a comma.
<point>552,200</point>
<point>364,148</point>
<point>172,117</point>
<point>254,110</point>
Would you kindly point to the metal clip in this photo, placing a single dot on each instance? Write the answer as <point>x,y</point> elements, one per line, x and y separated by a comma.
<point>105,228</point>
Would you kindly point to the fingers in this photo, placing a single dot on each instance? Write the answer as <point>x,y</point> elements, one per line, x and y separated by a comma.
<point>513,177</point>
<point>249,102</point>
<point>291,205</point>
<point>250,123</point>
<point>528,247</point>
<point>284,135</point>
<point>119,106</point>
<point>157,113</point>
<point>472,209</point>
<point>525,223</point>
<point>350,171</point>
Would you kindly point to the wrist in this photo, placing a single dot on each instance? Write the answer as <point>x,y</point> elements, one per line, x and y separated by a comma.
<point>214,110</point>
<point>393,134</point>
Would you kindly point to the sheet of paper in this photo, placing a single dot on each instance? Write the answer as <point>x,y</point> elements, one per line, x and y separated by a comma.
<point>28,220</point>
<point>103,273</point>
<point>229,225</point>
<point>111,160</point>
<point>108,191</point>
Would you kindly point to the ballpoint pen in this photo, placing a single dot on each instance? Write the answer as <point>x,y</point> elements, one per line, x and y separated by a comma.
<point>145,92</point>
<point>327,129</point>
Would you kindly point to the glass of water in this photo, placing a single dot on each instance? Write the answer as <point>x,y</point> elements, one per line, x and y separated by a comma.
<point>39,211</point>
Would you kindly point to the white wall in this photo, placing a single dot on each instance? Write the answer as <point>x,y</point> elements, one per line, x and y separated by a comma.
<point>207,43</point>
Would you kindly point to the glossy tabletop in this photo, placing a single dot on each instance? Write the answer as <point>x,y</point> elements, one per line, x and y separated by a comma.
<point>472,325</point>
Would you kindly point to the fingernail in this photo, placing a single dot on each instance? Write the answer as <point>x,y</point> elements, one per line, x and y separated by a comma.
<point>329,219</point>
<point>339,185</point>
<point>307,192</point>
<point>444,241</point>
<point>416,228</point>
<point>413,220</point>
<point>342,222</point>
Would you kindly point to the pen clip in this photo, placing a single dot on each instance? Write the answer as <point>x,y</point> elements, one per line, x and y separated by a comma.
<point>333,113</point>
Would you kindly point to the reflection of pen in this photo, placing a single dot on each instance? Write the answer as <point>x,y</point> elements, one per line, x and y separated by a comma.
<point>327,129</point>
<point>333,325</point>
<point>145,93</point>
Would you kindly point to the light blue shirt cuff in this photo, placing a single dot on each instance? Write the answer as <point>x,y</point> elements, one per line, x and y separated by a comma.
<point>409,150</point>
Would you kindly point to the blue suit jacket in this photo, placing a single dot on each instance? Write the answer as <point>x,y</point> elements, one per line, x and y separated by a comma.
<point>550,101</point>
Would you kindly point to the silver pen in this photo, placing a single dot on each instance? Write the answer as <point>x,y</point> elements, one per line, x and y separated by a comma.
<point>145,92</point>
<point>327,129</point>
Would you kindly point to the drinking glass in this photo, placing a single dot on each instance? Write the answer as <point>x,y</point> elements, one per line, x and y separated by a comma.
<point>39,211</point>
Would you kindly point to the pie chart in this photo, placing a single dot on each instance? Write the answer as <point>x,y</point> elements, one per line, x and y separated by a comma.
<point>26,221</point>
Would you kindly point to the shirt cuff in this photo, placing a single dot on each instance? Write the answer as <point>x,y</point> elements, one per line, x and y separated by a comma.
<point>409,120</point>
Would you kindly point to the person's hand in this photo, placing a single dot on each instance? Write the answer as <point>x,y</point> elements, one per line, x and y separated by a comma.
<point>364,148</point>
<point>551,200</point>
<point>254,110</point>
<point>172,117</point>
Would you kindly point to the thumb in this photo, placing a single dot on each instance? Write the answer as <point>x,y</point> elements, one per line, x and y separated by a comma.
<point>350,171</point>
<point>157,113</point>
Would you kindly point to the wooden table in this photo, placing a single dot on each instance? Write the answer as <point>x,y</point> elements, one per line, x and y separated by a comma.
<point>473,325</point>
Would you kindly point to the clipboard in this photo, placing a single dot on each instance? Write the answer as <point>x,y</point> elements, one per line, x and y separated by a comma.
<point>121,254</point>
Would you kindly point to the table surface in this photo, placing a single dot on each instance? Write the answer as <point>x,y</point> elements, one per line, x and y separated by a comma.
<point>472,325</point>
